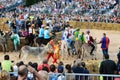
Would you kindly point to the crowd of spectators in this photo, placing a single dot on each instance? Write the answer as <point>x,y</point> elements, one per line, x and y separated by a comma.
<point>80,10</point>
<point>8,5</point>
<point>84,10</point>
<point>46,71</point>
<point>56,13</point>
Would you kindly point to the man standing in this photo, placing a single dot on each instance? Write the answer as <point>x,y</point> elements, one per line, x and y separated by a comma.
<point>7,64</point>
<point>107,67</point>
<point>23,73</point>
<point>104,44</point>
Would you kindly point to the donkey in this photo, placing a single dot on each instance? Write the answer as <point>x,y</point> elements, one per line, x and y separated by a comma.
<point>37,51</point>
<point>3,41</point>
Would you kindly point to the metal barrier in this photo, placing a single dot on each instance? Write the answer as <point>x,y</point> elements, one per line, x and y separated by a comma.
<point>67,76</point>
<point>73,76</point>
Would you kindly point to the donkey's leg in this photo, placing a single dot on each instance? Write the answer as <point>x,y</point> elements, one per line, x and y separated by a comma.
<point>6,48</point>
<point>62,50</point>
<point>40,57</point>
<point>3,47</point>
<point>25,55</point>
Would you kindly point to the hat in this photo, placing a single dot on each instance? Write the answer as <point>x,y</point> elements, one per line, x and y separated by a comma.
<point>42,26</point>
<point>88,31</point>
<point>47,27</point>
<point>77,29</point>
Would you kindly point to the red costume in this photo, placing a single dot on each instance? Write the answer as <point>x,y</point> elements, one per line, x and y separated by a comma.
<point>51,53</point>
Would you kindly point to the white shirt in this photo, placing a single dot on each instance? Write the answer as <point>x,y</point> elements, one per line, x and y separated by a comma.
<point>87,38</point>
<point>30,30</point>
<point>65,35</point>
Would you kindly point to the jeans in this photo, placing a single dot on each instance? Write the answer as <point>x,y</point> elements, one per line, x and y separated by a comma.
<point>105,51</point>
<point>71,45</point>
<point>16,47</point>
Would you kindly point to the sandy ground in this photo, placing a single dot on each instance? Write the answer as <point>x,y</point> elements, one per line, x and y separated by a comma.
<point>113,48</point>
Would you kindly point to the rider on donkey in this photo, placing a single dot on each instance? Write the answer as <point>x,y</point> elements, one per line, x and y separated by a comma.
<point>41,34</point>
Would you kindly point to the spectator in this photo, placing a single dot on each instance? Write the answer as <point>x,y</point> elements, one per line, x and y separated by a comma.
<point>15,69</point>
<point>7,64</point>
<point>60,67</point>
<point>44,64</point>
<point>46,35</point>
<point>44,74</point>
<point>118,63</point>
<point>69,70</point>
<point>52,71</point>
<point>61,70</point>
<point>4,75</point>
<point>78,69</point>
<point>23,72</point>
<point>107,67</point>
<point>0,67</point>
<point>86,71</point>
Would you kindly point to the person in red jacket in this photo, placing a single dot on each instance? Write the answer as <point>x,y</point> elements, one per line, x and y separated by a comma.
<point>44,64</point>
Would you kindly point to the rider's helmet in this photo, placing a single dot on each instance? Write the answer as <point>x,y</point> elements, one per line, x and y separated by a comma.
<point>88,31</point>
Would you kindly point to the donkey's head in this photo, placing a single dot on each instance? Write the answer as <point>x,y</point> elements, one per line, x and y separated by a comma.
<point>7,34</point>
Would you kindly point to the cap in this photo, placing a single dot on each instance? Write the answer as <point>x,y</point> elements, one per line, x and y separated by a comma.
<point>77,29</point>
<point>88,31</point>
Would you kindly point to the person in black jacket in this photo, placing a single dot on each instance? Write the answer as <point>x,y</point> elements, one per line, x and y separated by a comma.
<point>107,66</point>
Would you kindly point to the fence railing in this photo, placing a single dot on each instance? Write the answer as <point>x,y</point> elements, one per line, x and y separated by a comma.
<point>74,76</point>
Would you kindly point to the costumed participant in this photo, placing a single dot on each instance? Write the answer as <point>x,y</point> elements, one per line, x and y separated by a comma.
<point>57,51</point>
<point>71,40</point>
<point>51,45</point>
<point>65,34</point>
<point>82,38</point>
<point>77,34</point>
<point>90,41</point>
<point>47,37</point>
<point>16,40</point>
<point>41,34</point>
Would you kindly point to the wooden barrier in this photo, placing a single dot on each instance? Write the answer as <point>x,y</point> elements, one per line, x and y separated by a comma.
<point>3,25</point>
<point>75,24</point>
<point>95,25</point>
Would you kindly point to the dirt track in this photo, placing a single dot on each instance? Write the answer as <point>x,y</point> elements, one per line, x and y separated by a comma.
<point>113,48</point>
